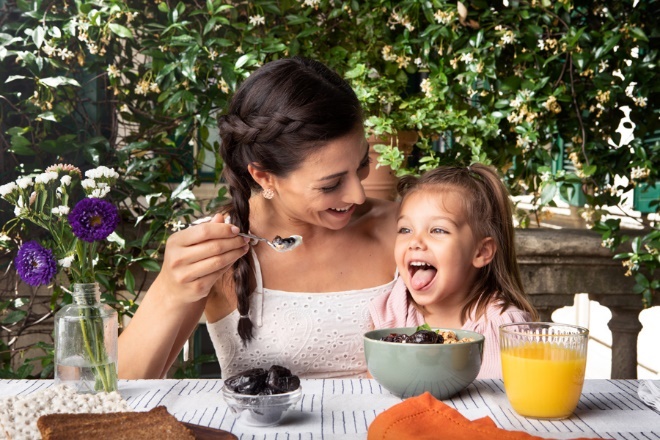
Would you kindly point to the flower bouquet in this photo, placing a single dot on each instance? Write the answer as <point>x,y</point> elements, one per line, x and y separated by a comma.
<point>85,331</point>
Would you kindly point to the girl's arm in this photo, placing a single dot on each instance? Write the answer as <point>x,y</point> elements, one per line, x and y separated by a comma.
<point>195,259</point>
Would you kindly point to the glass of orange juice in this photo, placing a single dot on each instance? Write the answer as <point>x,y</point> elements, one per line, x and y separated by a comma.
<point>543,366</point>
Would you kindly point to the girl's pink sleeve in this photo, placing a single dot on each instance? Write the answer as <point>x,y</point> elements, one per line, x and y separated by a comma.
<point>488,325</point>
<point>394,309</point>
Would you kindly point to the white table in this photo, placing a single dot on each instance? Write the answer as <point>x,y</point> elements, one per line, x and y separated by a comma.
<point>344,408</point>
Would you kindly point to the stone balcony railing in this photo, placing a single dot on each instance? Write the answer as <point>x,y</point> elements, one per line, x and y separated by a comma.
<point>557,264</point>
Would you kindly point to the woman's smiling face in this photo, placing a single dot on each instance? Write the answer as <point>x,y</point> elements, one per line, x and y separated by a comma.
<point>435,247</point>
<point>327,187</point>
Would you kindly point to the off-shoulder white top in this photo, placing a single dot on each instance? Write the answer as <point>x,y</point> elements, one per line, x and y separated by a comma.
<point>315,335</point>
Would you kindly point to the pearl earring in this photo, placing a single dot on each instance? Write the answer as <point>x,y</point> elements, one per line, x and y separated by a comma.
<point>268,193</point>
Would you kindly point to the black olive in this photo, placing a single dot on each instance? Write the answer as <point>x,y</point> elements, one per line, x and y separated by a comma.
<point>423,337</point>
<point>248,382</point>
<point>440,340</point>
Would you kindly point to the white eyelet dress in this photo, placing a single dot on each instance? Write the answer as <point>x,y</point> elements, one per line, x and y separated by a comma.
<point>315,335</point>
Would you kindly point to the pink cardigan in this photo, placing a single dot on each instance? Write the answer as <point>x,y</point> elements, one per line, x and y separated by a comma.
<point>394,309</point>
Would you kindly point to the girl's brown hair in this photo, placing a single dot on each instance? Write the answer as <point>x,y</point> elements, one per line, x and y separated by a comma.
<point>280,115</point>
<point>488,209</point>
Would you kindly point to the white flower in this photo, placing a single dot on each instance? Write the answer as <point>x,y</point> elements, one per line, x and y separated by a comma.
<point>101,172</point>
<point>20,208</point>
<point>630,89</point>
<point>66,180</point>
<point>508,38</point>
<point>257,20</point>
<point>48,49</point>
<point>8,188</point>
<point>113,71</point>
<point>24,182</point>
<point>61,210</point>
<point>44,178</point>
<point>541,44</point>
<point>426,86</point>
<point>66,261</point>
<point>640,101</point>
<point>99,193</point>
<point>546,176</point>
<point>312,3</point>
<point>634,52</point>
<point>178,226</point>
<point>88,184</point>
<point>5,237</point>
<point>607,242</point>
<point>467,58</point>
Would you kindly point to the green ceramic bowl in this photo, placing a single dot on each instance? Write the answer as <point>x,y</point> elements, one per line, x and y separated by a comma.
<point>408,370</point>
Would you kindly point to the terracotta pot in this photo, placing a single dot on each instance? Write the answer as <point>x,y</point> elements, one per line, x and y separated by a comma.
<point>381,182</point>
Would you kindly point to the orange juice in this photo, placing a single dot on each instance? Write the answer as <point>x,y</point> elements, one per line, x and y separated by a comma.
<point>543,380</point>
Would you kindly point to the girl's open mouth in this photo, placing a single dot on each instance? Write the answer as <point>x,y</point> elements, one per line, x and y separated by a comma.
<point>421,274</point>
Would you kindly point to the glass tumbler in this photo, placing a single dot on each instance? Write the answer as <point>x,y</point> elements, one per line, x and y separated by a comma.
<point>543,367</point>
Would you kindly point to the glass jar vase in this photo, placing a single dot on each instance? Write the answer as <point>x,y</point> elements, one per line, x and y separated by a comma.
<point>86,342</point>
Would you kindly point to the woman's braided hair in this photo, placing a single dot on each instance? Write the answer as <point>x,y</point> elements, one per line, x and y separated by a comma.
<point>282,113</point>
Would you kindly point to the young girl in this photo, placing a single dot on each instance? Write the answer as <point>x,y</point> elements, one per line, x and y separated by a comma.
<point>456,257</point>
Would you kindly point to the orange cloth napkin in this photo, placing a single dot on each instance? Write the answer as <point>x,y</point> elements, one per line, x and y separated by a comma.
<point>427,418</point>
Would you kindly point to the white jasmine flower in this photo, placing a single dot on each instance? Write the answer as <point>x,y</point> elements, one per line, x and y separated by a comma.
<point>178,226</point>
<point>256,20</point>
<point>113,71</point>
<point>5,237</point>
<point>541,44</point>
<point>66,180</point>
<point>640,101</point>
<point>426,86</point>
<point>630,89</point>
<point>467,58</point>
<point>634,52</point>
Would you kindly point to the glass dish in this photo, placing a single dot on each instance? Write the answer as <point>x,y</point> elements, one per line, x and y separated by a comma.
<point>260,410</point>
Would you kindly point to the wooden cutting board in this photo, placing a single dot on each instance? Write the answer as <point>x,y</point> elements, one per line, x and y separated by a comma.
<point>206,433</point>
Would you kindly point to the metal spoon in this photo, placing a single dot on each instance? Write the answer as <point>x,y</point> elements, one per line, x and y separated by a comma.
<point>278,243</point>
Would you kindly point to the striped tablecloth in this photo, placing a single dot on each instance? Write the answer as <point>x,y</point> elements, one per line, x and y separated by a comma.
<point>344,408</point>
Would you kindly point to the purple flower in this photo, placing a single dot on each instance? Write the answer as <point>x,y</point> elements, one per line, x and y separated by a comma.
<point>35,264</point>
<point>93,219</point>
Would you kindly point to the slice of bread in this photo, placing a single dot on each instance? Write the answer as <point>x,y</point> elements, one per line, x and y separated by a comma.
<point>156,424</point>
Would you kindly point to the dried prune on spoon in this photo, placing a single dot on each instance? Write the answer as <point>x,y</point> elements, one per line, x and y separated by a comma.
<point>248,382</point>
<point>280,380</point>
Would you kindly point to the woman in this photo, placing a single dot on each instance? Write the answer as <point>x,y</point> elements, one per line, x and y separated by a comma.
<point>294,155</point>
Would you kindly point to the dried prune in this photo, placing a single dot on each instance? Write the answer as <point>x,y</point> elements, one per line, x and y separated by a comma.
<point>280,380</point>
<point>395,337</point>
<point>257,381</point>
<point>248,382</point>
<point>423,337</point>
